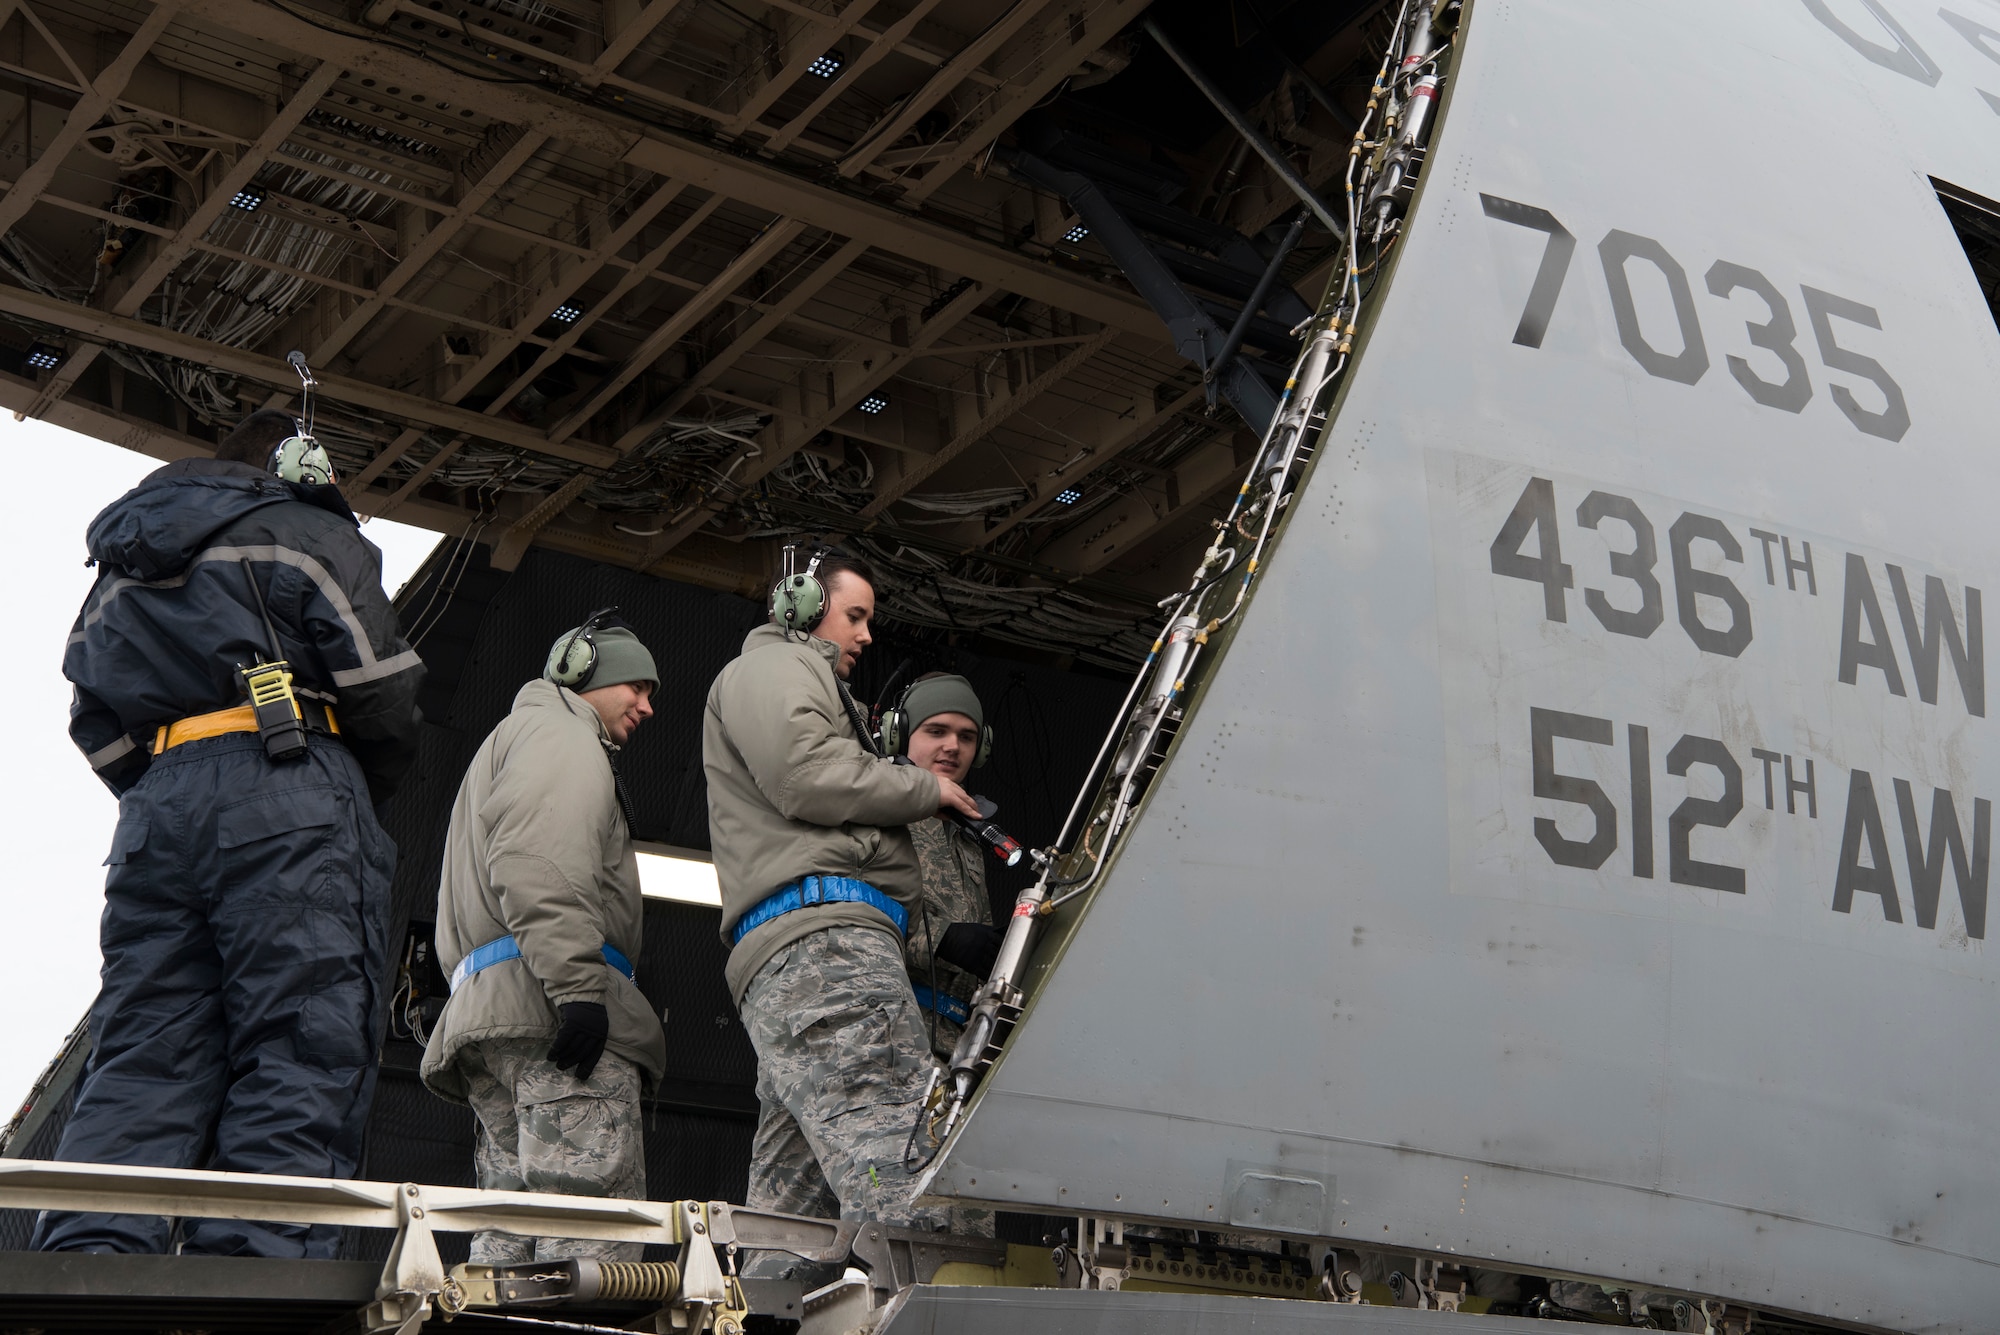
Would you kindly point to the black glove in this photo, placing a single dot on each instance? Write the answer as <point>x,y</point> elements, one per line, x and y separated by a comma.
<point>972,946</point>
<point>580,1040</point>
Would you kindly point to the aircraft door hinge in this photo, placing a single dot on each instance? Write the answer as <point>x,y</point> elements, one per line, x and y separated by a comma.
<point>1105,1258</point>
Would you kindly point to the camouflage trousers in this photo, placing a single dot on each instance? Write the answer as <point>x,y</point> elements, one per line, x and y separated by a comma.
<point>842,1061</point>
<point>541,1129</point>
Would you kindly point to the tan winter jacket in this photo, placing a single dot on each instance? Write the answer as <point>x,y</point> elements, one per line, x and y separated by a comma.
<point>792,791</point>
<point>538,849</point>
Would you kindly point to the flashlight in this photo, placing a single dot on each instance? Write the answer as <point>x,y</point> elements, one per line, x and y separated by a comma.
<point>1004,845</point>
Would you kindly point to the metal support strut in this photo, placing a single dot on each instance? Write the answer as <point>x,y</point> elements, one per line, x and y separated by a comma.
<point>1241,123</point>
<point>709,1300</point>
<point>700,1295</point>
<point>413,1275</point>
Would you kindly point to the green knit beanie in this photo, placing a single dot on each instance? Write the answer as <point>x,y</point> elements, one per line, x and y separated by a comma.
<point>620,658</point>
<point>944,695</point>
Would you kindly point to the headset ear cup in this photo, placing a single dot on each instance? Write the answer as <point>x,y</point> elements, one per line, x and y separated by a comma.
<point>316,468</point>
<point>303,460</point>
<point>893,740</point>
<point>564,667</point>
<point>813,600</point>
<point>985,746</point>
<point>799,602</point>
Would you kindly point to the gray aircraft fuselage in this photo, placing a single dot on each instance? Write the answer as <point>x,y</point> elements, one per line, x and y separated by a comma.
<point>1579,860</point>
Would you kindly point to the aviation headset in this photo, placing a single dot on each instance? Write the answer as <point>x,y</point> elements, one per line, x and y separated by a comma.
<point>798,600</point>
<point>898,729</point>
<point>300,458</point>
<point>566,667</point>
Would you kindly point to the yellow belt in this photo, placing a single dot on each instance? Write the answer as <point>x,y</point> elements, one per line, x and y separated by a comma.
<point>222,722</point>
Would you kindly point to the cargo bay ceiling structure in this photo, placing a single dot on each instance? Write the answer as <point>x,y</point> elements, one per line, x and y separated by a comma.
<point>662,282</point>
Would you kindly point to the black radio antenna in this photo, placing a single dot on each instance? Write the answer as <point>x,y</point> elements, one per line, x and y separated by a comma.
<point>270,631</point>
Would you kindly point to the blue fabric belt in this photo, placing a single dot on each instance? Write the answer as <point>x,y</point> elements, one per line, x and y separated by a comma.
<point>507,948</point>
<point>943,1004</point>
<point>810,890</point>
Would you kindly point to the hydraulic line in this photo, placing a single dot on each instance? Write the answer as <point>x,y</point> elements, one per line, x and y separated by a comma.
<point>1376,186</point>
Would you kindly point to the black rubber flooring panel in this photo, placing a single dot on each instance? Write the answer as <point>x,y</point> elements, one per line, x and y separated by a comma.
<point>73,1291</point>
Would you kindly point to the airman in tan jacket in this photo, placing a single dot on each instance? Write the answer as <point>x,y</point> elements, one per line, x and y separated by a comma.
<point>809,829</point>
<point>547,1035</point>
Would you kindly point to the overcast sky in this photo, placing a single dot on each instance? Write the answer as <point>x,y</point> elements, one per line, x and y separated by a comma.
<point>56,818</point>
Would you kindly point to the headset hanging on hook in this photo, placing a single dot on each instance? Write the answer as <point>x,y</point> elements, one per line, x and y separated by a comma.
<point>301,458</point>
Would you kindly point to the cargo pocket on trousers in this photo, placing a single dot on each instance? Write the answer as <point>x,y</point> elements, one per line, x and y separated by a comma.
<point>273,847</point>
<point>125,873</point>
<point>860,1065</point>
<point>333,1028</point>
<point>578,1137</point>
<point>127,839</point>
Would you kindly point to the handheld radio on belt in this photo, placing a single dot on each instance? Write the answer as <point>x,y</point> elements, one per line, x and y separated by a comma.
<point>276,707</point>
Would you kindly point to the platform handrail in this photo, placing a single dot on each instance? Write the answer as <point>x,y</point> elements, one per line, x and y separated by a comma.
<point>414,1276</point>
<point>38,1184</point>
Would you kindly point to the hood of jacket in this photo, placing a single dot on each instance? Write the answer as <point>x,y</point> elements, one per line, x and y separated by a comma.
<point>543,694</point>
<point>156,529</point>
<point>766,635</point>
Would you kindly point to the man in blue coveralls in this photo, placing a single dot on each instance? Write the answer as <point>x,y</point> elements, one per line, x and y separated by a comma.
<point>246,906</point>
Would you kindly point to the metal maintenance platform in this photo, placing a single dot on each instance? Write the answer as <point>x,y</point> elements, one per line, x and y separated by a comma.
<point>894,1280</point>
<point>150,1295</point>
<point>143,1295</point>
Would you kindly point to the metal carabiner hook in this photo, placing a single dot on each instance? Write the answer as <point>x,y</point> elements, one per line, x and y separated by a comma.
<point>308,383</point>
